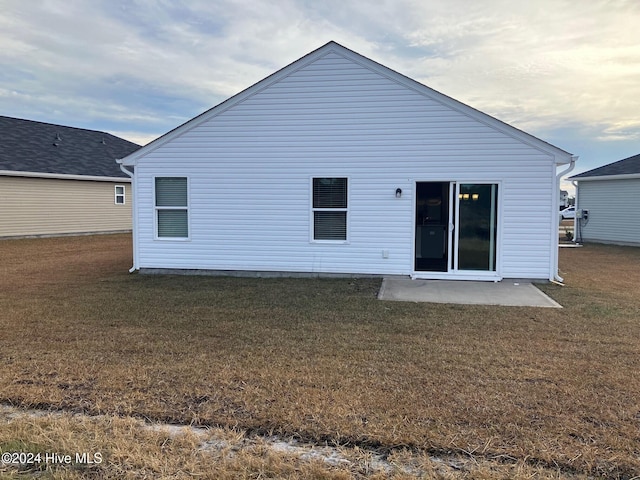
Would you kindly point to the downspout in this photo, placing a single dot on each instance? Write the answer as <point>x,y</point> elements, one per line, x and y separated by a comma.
<point>134,211</point>
<point>572,164</point>
<point>575,218</point>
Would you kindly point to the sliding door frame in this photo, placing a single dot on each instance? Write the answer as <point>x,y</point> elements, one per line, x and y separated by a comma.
<point>453,238</point>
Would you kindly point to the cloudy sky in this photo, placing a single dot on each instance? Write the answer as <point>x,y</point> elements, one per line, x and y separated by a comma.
<point>565,71</point>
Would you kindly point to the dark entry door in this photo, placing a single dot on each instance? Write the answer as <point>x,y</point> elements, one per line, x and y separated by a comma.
<point>432,226</point>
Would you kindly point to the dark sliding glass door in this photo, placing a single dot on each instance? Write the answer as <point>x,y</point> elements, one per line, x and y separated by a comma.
<point>477,226</point>
<point>456,227</point>
<point>432,226</point>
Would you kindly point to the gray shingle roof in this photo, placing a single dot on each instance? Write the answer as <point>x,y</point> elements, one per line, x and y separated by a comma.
<point>30,146</point>
<point>627,166</point>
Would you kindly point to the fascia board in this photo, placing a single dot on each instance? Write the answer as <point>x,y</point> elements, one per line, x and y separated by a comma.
<point>226,105</point>
<point>560,156</point>
<point>596,178</point>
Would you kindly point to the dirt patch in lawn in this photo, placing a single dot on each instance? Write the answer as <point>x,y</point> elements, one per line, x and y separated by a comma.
<point>76,446</point>
<point>323,361</point>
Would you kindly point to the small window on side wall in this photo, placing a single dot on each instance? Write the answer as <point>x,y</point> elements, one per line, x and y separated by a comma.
<point>119,195</point>
<point>172,209</point>
<point>329,209</point>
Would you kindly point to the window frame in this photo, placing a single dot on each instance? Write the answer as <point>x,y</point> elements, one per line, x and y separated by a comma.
<point>157,208</point>
<point>117,195</point>
<point>312,209</point>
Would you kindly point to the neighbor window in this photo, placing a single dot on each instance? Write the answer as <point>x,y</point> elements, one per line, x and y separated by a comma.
<point>119,194</point>
<point>330,209</point>
<point>172,212</point>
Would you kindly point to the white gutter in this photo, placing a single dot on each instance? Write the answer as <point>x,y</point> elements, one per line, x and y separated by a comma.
<point>575,217</point>
<point>556,276</point>
<point>63,176</point>
<point>134,194</point>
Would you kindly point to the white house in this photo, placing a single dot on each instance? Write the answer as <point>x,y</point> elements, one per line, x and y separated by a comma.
<point>609,205</point>
<point>336,164</point>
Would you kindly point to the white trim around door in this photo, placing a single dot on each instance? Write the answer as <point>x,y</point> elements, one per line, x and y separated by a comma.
<point>457,230</point>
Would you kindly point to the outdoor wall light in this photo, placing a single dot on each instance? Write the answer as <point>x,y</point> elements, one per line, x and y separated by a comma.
<point>398,192</point>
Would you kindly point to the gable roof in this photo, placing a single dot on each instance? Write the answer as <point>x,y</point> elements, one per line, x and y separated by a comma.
<point>56,150</point>
<point>561,156</point>
<point>620,169</point>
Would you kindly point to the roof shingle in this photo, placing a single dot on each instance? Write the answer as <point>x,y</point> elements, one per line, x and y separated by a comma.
<point>627,166</point>
<point>30,146</point>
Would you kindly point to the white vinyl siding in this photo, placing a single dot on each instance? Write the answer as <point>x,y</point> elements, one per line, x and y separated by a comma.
<point>249,167</point>
<point>172,214</point>
<point>614,210</point>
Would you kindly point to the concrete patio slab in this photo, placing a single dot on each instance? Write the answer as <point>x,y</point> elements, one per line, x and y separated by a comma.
<point>508,293</point>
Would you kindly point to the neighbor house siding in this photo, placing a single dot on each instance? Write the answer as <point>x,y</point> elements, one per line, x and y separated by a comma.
<point>614,210</point>
<point>250,168</point>
<point>39,206</point>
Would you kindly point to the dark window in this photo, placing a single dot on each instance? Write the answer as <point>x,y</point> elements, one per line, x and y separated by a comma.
<point>172,213</point>
<point>330,209</point>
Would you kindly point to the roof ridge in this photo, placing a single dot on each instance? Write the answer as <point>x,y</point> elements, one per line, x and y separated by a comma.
<point>49,148</point>
<point>66,126</point>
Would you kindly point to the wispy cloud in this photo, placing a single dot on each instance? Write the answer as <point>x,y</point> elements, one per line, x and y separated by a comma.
<point>145,66</point>
<point>535,65</point>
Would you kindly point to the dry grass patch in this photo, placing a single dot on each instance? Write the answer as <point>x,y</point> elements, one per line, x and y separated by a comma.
<point>128,448</point>
<point>324,361</point>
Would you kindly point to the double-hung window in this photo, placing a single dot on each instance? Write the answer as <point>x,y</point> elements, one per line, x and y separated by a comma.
<point>329,209</point>
<point>119,195</point>
<point>172,207</point>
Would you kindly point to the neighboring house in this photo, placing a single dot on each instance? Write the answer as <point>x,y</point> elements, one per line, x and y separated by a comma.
<point>57,180</point>
<point>564,199</point>
<point>610,196</point>
<point>336,164</point>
